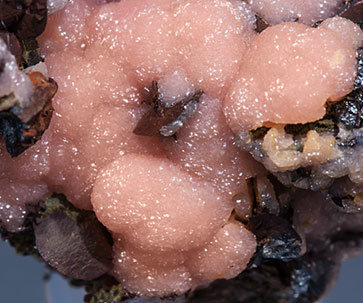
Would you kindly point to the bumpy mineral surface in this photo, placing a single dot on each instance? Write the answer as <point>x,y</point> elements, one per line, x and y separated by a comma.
<point>304,11</point>
<point>162,109</point>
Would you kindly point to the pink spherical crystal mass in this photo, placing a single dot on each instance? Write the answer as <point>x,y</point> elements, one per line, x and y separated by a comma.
<point>291,71</point>
<point>167,201</point>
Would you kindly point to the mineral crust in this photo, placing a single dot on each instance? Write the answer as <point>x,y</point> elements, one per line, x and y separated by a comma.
<point>162,109</point>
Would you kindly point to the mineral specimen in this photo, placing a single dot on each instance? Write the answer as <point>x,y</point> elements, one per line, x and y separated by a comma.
<point>305,11</point>
<point>166,117</point>
<point>160,105</point>
<point>25,18</point>
<point>15,86</point>
<point>317,65</point>
<point>311,155</point>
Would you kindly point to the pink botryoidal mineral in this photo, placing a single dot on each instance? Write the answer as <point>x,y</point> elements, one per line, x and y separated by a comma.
<point>163,108</point>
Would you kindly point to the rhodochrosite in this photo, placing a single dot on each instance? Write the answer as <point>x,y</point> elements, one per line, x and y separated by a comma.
<point>168,200</point>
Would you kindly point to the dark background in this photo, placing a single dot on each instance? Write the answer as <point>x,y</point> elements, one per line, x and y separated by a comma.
<point>21,280</point>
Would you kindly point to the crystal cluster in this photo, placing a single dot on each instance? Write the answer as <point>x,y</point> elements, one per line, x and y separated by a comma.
<point>162,109</point>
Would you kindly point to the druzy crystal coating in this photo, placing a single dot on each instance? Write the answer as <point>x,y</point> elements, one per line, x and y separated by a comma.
<point>178,202</point>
